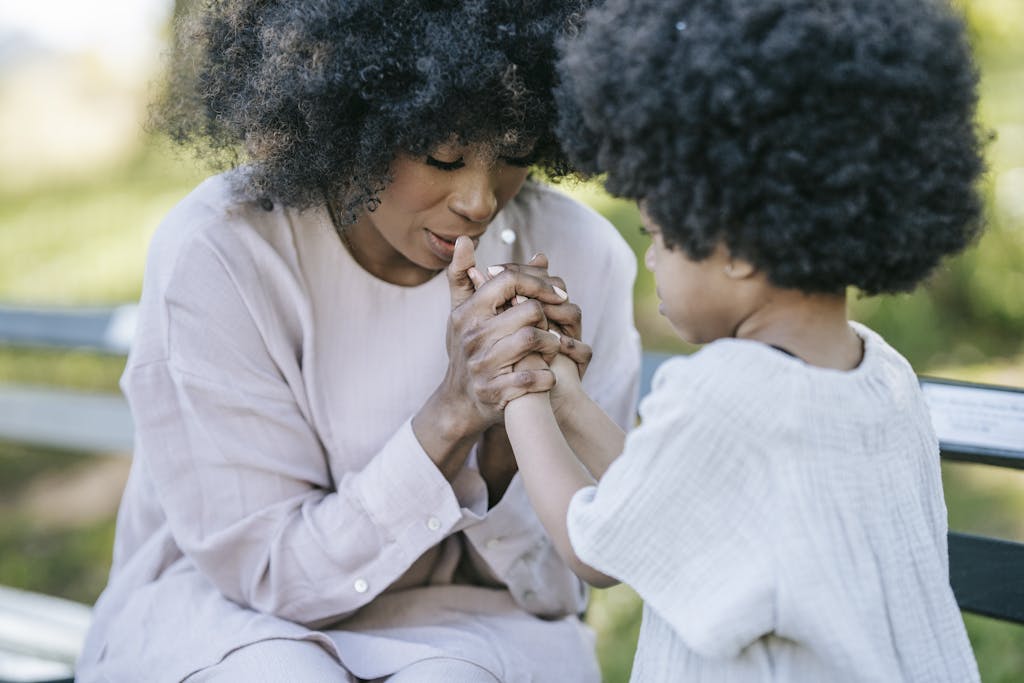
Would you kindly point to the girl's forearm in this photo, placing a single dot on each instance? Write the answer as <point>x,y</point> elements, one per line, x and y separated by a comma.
<point>593,436</point>
<point>551,473</point>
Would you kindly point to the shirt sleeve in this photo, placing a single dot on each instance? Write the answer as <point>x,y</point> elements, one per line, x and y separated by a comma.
<point>682,518</point>
<point>510,542</point>
<point>242,476</point>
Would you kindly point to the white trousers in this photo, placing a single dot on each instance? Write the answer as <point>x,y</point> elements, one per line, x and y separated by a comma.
<point>298,661</point>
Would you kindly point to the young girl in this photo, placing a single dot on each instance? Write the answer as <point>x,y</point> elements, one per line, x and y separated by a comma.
<point>780,508</point>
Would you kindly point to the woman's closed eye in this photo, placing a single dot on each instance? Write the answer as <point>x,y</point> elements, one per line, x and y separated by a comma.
<point>522,161</point>
<point>445,165</point>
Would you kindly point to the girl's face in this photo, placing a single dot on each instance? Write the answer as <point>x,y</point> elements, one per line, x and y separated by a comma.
<point>455,190</point>
<point>700,298</point>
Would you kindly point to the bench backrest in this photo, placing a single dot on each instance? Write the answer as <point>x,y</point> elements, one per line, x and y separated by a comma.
<point>982,424</point>
<point>975,423</point>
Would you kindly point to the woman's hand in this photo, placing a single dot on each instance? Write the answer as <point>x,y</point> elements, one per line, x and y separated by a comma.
<point>485,340</point>
<point>563,317</point>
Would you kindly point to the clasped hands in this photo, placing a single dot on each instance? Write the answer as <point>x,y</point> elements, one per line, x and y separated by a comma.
<point>516,330</point>
<point>500,347</point>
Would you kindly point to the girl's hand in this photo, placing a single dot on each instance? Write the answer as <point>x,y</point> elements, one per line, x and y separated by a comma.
<point>568,388</point>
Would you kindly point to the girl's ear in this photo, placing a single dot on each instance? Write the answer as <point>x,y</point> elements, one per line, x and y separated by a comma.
<point>737,268</point>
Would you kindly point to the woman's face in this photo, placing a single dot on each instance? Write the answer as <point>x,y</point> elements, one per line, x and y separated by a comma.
<point>455,190</point>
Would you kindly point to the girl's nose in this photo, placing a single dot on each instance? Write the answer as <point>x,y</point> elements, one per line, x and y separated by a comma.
<point>474,198</point>
<point>649,258</point>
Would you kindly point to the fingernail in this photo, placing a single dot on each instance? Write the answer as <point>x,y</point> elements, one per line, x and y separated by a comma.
<point>560,292</point>
<point>494,270</point>
<point>557,336</point>
<point>520,298</point>
<point>534,257</point>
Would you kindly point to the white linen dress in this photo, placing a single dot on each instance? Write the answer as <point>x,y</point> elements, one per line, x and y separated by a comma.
<point>782,522</point>
<point>277,489</point>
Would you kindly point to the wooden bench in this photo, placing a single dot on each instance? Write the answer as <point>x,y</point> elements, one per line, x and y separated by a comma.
<point>41,635</point>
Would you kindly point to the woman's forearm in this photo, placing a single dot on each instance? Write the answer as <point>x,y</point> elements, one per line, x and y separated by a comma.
<point>551,473</point>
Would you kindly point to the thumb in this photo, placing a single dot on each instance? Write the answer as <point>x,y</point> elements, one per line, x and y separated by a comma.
<point>460,286</point>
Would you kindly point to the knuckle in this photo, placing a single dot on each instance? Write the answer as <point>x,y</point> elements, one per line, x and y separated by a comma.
<point>472,338</point>
<point>534,310</point>
<point>528,337</point>
<point>484,392</point>
<point>476,366</point>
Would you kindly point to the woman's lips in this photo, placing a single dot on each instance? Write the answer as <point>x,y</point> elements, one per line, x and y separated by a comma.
<point>444,246</point>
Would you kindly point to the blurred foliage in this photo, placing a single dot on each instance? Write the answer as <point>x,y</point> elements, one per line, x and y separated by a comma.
<point>80,238</point>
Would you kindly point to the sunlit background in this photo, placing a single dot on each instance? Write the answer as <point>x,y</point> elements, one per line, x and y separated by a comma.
<point>82,187</point>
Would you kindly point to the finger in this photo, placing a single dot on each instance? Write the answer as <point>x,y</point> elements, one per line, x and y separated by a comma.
<point>530,313</point>
<point>504,287</point>
<point>529,269</point>
<point>512,385</point>
<point>568,317</point>
<point>525,341</point>
<point>578,352</point>
<point>476,277</point>
<point>539,260</point>
<point>460,285</point>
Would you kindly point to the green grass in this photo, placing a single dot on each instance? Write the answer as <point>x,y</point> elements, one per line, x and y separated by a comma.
<point>83,241</point>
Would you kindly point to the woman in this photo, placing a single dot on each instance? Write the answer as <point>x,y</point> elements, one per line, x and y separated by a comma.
<point>322,487</point>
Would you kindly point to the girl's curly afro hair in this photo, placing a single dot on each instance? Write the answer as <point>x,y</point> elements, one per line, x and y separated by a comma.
<point>829,142</point>
<point>320,95</point>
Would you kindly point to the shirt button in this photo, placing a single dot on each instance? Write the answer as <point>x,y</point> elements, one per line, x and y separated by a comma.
<point>361,586</point>
<point>433,524</point>
<point>493,543</point>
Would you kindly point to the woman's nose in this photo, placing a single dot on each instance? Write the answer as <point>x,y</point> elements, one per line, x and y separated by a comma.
<point>649,258</point>
<point>474,197</point>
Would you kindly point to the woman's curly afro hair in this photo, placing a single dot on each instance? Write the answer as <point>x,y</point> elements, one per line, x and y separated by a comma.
<point>320,95</point>
<point>829,142</point>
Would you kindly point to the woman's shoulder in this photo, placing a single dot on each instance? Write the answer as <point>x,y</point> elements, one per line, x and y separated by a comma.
<point>563,225</point>
<point>218,217</point>
<point>551,208</point>
<point>215,205</point>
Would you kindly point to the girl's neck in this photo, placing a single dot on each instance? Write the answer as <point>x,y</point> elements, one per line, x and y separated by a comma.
<point>813,327</point>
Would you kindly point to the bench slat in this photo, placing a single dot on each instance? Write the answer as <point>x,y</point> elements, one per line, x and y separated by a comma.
<point>987,575</point>
<point>108,330</point>
<point>61,418</point>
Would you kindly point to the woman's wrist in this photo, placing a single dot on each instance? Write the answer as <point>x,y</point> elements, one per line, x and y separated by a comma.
<point>447,430</point>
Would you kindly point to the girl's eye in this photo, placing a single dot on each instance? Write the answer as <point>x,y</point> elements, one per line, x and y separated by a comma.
<point>643,231</point>
<point>521,162</point>
<point>445,165</point>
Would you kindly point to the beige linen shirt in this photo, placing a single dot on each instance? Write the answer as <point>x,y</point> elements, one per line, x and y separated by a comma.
<point>278,490</point>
